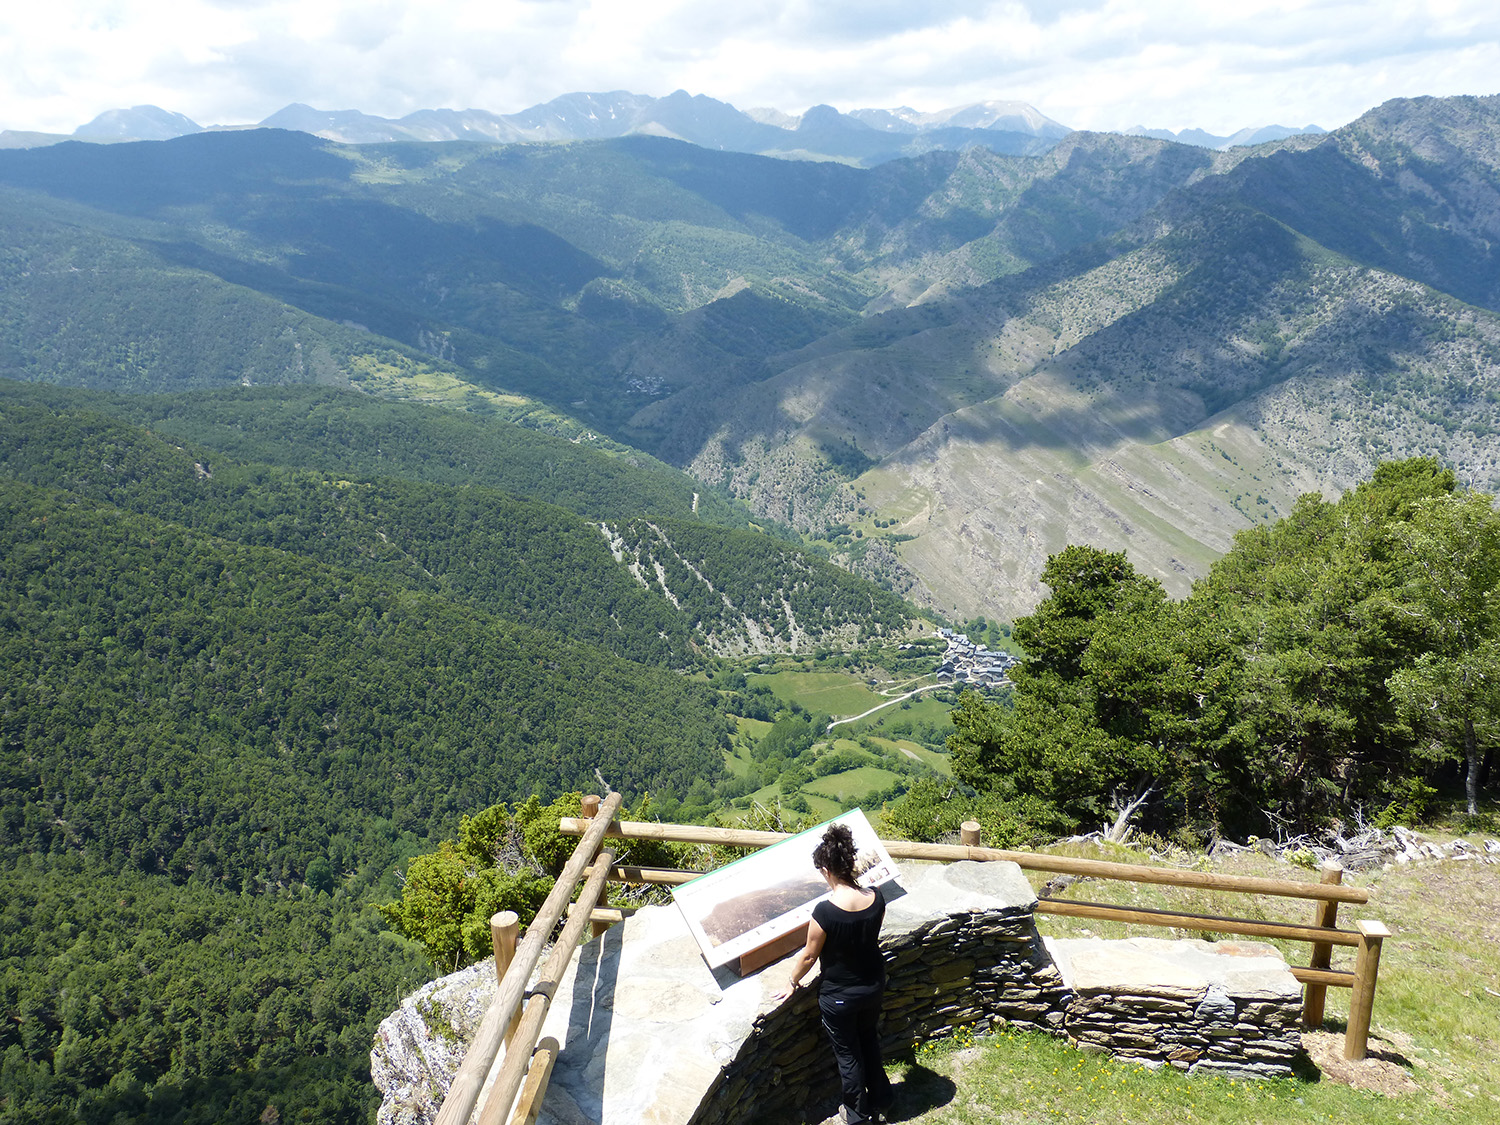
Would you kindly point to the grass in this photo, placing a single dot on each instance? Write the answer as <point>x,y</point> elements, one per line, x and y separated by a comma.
<point>941,763</point>
<point>828,693</point>
<point>921,709</point>
<point>1435,1046</point>
<point>1033,1078</point>
<point>850,784</point>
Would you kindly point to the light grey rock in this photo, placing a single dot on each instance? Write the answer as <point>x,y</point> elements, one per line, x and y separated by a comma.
<point>935,891</point>
<point>1181,969</point>
<point>418,1048</point>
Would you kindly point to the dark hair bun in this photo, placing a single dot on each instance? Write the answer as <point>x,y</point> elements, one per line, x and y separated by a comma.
<point>836,853</point>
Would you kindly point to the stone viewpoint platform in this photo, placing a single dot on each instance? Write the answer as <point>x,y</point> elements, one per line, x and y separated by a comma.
<point>651,1036</point>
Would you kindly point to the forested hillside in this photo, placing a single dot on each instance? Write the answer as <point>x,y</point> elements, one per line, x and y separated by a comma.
<point>238,696</point>
<point>356,434</point>
<point>969,359</point>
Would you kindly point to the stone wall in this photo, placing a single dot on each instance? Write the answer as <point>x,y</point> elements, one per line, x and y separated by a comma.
<point>650,1034</point>
<point>1223,1007</point>
<point>962,951</point>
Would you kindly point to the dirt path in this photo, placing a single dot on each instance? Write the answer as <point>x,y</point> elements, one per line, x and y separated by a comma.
<point>881,706</point>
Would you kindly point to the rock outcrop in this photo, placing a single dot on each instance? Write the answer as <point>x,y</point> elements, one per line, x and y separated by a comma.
<point>419,1047</point>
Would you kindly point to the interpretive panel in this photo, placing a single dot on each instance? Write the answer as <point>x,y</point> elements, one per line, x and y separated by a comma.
<point>770,893</point>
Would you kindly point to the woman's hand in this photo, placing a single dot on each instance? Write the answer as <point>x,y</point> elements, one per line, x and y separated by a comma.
<point>787,990</point>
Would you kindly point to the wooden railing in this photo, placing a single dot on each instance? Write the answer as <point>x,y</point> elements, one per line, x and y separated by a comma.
<point>515,1097</point>
<point>527,1062</point>
<point>1322,933</point>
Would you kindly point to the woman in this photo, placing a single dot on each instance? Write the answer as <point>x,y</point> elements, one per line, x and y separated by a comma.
<point>844,935</point>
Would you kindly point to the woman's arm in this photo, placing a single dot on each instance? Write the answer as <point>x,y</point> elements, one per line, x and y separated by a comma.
<point>804,960</point>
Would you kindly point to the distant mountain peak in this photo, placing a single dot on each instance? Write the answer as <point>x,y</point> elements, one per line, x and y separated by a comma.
<point>862,136</point>
<point>138,123</point>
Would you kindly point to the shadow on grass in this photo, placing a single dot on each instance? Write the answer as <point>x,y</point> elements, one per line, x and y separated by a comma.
<point>919,1091</point>
<point>1322,1059</point>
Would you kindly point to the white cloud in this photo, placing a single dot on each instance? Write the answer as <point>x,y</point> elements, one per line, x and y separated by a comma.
<point>1089,63</point>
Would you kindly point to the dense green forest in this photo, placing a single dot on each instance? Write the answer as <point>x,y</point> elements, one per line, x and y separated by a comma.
<point>351,433</point>
<point>132,998</point>
<point>522,558</point>
<point>1338,664</point>
<point>239,696</point>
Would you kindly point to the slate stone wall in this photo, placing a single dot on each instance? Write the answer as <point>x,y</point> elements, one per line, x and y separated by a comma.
<point>979,971</point>
<point>1230,1008</point>
<point>1222,1007</point>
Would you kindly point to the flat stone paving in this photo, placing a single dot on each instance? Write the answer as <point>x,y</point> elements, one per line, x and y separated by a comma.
<point>646,1027</point>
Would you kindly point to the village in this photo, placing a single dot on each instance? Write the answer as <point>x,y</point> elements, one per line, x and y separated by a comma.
<point>966,662</point>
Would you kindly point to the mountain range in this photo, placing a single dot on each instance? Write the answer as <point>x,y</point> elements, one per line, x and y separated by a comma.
<point>1205,139</point>
<point>940,369</point>
<point>861,136</point>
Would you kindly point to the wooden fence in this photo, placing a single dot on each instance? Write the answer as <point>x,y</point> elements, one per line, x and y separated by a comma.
<point>1321,933</point>
<point>515,1096</point>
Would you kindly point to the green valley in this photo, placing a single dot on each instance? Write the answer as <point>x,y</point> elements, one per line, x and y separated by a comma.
<point>240,696</point>
<point>362,505</point>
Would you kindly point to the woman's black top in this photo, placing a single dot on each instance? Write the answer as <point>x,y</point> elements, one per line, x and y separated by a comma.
<point>851,962</point>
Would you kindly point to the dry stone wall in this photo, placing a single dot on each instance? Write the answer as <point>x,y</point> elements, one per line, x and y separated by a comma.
<point>650,1034</point>
<point>1223,1007</point>
<point>962,951</point>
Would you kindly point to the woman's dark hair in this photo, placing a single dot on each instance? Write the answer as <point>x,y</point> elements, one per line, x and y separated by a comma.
<point>836,853</point>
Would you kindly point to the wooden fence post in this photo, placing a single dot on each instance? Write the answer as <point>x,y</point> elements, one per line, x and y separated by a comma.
<point>505,927</point>
<point>464,1090</point>
<point>968,833</point>
<point>1362,1003</point>
<point>1326,914</point>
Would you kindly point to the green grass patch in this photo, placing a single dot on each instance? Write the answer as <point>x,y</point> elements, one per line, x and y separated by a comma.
<point>828,693</point>
<point>852,784</point>
<point>747,733</point>
<point>1034,1078</point>
<point>941,763</point>
<point>898,722</point>
<point>753,729</point>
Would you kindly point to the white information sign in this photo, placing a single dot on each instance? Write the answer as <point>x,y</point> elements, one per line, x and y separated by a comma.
<point>765,896</point>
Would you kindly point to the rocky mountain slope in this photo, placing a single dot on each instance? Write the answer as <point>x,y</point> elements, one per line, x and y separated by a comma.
<point>943,367</point>
<point>1256,331</point>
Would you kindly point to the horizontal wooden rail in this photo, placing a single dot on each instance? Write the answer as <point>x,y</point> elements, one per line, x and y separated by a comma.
<point>1336,977</point>
<point>1033,861</point>
<point>1322,933</point>
<point>676,833</point>
<point>1141,915</point>
<point>606,914</point>
<point>662,875</point>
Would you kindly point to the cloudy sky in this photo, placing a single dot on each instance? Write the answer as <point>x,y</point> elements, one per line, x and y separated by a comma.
<point>1098,64</point>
